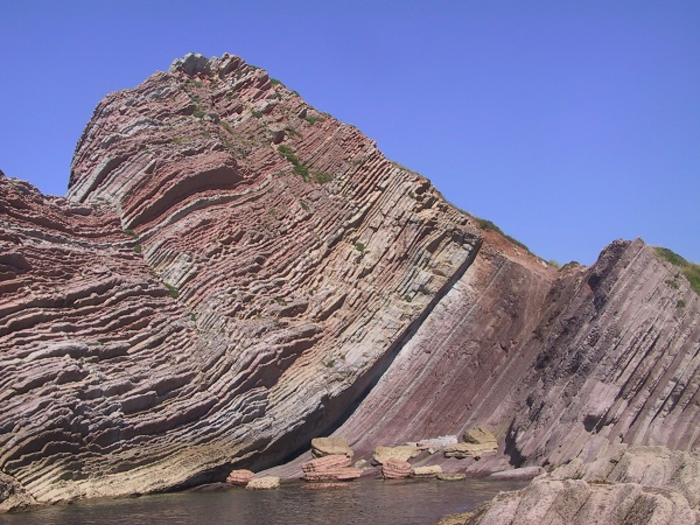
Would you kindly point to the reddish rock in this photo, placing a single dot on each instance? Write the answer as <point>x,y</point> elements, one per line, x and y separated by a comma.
<point>233,269</point>
<point>330,468</point>
<point>394,468</point>
<point>240,478</point>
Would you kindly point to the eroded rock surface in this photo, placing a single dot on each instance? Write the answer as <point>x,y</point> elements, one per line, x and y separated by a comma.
<point>639,485</point>
<point>234,271</point>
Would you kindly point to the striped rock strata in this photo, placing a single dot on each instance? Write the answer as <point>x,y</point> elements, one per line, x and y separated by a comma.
<point>232,271</point>
<point>235,271</point>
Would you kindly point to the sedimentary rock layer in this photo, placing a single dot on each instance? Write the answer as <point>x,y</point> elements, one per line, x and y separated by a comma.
<point>235,273</point>
<point>232,271</point>
<point>640,485</point>
<point>557,366</point>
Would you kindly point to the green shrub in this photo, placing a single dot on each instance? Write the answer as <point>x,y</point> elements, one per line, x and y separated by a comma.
<point>172,291</point>
<point>131,233</point>
<point>680,303</point>
<point>138,248</point>
<point>303,171</point>
<point>257,114</point>
<point>322,177</point>
<point>407,298</point>
<point>690,270</point>
<point>360,247</point>
<point>199,112</point>
<point>312,119</point>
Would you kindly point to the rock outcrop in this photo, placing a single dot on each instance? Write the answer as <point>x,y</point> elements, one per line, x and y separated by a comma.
<point>330,446</point>
<point>235,273</point>
<point>394,468</point>
<point>640,485</point>
<point>232,271</point>
<point>240,477</point>
<point>330,468</point>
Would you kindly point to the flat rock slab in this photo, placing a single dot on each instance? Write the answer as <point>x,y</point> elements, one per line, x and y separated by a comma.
<point>264,483</point>
<point>330,446</point>
<point>402,453</point>
<point>451,476</point>
<point>524,473</point>
<point>426,472</point>
<point>395,468</point>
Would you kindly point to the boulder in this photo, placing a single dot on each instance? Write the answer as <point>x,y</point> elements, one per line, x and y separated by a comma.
<point>330,446</point>
<point>330,468</point>
<point>394,468</point>
<point>264,483</point>
<point>480,436</point>
<point>426,472</point>
<point>478,442</point>
<point>452,476</point>
<point>402,453</point>
<point>240,478</point>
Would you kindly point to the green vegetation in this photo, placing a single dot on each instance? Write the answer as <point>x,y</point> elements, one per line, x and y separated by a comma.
<point>360,247</point>
<point>312,119</point>
<point>485,224</point>
<point>199,112</point>
<point>680,303</point>
<point>322,177</point>
<point>172,291</point>
<point>131,233</point>
<point>275,82</point>
<point>673,283</point>
<point>690,270</point>
<point>138,248</point>
<point>554,263</point>
<point>299,168</point>
<point>257,114</point>
<point>330,363</point>
<point>407,298</point>
<point>280,301</point>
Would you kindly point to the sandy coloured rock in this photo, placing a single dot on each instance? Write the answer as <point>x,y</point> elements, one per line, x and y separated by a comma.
<point>429,471</point>
<point>264,483</point>
<point>402,453</point>
<point>328,446</point>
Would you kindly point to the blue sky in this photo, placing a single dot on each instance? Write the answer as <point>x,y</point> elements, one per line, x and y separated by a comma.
<point>568,124</point>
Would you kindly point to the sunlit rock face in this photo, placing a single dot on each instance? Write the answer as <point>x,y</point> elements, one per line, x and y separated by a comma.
<point>231,271</point>
<point>235,273</point>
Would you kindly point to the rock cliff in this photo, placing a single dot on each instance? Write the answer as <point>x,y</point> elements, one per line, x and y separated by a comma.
<point>234,273</point>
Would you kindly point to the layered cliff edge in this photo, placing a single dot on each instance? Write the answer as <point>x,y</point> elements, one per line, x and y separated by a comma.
<point>234,273</point>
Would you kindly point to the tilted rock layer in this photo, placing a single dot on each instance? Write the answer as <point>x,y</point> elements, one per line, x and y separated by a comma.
<point>233,272</point>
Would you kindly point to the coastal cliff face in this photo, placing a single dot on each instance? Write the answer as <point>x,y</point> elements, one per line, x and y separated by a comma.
<point>234,273</point>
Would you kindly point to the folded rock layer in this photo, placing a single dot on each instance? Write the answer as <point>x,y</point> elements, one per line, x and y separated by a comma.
<point>234,273</point>
<point>232,270</point>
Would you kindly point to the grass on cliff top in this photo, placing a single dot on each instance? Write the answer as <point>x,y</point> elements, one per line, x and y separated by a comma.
<point>485,224</point>
<point>690,270</point>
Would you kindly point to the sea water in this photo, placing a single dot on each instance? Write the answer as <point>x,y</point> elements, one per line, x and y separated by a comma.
<point>365,501</point>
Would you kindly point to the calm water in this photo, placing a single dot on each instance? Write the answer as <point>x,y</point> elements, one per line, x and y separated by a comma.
<point>363,502</point>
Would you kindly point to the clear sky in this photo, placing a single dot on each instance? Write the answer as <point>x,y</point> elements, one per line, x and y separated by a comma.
<point>567,123</point>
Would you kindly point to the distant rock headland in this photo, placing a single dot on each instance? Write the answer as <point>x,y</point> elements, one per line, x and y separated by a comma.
<point>234,273</point>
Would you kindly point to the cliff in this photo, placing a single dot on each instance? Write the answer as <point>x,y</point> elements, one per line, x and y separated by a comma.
<point>234,273</point>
